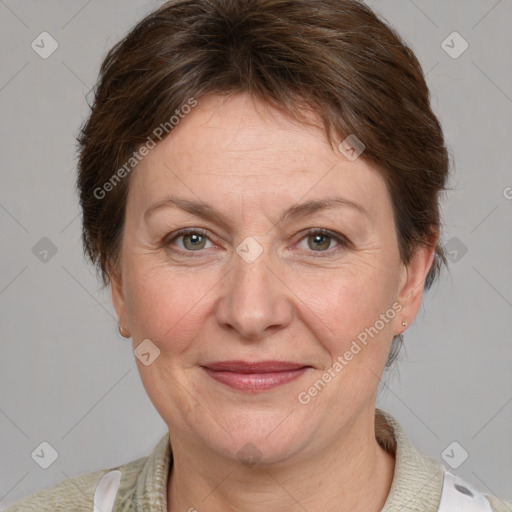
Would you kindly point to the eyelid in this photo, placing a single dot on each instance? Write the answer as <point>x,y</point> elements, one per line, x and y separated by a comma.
<point>185,231</point>
<point>342,241</point>
<point>338,237</point>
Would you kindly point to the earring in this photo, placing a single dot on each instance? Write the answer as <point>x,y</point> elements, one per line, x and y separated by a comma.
<point>122,332</point>
<point>401,335</point>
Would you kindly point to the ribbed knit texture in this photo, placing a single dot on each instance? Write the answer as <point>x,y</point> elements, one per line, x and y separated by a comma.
<point>416,487</point>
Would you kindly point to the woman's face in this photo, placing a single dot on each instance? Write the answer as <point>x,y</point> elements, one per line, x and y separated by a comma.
<point>253,281</point>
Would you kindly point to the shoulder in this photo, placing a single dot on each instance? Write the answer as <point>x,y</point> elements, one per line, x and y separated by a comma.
<point>421,483</point>
<point>498,505</point>
<point>76,494</point>
<point>459,494</point>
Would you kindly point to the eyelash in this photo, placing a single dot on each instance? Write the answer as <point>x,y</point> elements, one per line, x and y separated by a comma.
<point>342,241</point>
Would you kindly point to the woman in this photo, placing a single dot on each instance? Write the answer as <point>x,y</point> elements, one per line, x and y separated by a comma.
<point>259,182</point>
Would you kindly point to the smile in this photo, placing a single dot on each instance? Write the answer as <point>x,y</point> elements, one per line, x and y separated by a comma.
<point>254,376</point>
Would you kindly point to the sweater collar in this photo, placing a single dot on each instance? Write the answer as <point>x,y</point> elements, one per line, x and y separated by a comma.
<point>417,479</point>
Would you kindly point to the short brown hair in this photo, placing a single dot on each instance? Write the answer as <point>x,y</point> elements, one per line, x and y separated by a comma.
<point>335,57</point>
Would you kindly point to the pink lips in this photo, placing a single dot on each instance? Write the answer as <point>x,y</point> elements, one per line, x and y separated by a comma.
<point>256,376</point>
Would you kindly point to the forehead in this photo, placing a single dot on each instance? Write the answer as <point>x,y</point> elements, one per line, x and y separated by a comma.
<point>237,145</point>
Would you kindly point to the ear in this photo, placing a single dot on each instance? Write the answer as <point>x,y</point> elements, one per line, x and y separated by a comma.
<point>413,282</point>
<point>118,297</point>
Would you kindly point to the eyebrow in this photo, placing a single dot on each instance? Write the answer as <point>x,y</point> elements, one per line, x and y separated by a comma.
<point>207,211</point>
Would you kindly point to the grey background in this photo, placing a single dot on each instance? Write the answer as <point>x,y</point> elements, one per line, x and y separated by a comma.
<point>69,379</point>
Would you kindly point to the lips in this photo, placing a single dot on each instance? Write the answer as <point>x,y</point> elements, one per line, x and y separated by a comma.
<point>254,367</point>
<point>254,376</point>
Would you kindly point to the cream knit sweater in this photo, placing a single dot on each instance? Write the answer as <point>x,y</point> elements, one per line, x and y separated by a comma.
<point>416,487</point>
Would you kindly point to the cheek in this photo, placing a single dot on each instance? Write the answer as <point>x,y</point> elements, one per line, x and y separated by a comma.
<point>173,306</point>
<point>166,305</point>
<point>347,306</point>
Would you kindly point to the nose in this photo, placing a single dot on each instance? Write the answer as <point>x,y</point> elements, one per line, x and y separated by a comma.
<point>255,301</point>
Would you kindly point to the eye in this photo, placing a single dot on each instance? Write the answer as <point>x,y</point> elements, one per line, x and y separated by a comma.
<point>193,239</point>
<point>320,240</point>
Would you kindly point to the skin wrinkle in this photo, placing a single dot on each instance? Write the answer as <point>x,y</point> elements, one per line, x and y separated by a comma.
<point>285,306</point>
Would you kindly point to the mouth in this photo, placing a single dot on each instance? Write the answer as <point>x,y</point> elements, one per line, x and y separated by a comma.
<point>254,376</point>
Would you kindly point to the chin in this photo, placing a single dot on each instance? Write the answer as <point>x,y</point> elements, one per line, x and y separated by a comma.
<point>264,437</point>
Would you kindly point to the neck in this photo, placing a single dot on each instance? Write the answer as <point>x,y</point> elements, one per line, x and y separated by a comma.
<point>352,474</point>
